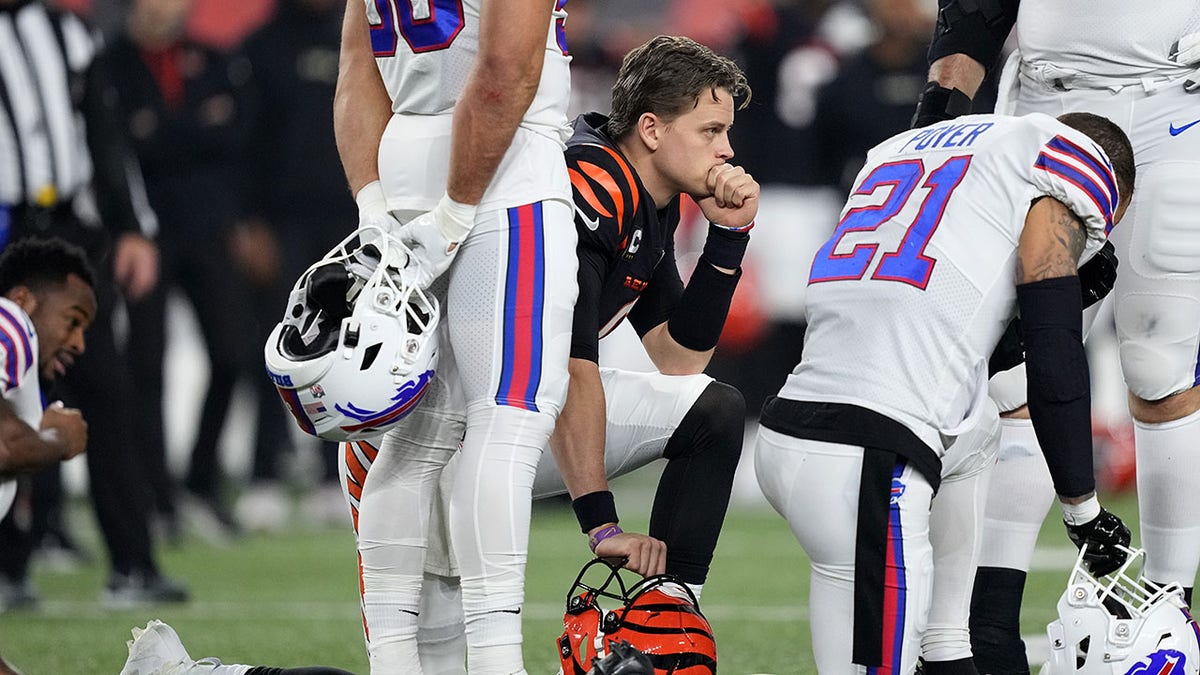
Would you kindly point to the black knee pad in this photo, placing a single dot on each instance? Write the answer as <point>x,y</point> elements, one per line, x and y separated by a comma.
<point>716,420</point>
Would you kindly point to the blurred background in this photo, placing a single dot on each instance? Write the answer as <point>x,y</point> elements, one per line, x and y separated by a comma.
<point>830,80</point>
<point>227,105</point>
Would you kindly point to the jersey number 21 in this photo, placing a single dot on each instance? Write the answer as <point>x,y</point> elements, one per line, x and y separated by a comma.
<point>908,263</point>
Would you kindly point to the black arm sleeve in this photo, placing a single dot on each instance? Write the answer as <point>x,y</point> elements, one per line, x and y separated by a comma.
<point>698,321</point>
<point>111,157</point>
<point>585,326</point>
<point>1060,401</point>
<point>977,28</point>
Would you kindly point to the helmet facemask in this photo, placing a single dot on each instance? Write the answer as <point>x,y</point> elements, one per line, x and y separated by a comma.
<point>1122,623</point>
<point>357,346</point>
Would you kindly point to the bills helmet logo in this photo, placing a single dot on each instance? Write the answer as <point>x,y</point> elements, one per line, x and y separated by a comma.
<point>1161,662</point>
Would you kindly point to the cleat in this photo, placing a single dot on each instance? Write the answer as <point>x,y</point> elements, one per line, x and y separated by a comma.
<point>156,650</point>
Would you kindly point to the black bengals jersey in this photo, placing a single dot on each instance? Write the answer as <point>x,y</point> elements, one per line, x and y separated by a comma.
<point>626,245</point>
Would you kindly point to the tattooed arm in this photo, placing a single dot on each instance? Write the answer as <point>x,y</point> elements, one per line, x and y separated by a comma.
<point>1051,243</point>
<point>1056,366</point>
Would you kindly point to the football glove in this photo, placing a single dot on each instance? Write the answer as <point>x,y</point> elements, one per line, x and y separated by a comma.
<point>938,104</point>
<point>1098,275</point>
<point>1107,541</point>
<point>433,238</point>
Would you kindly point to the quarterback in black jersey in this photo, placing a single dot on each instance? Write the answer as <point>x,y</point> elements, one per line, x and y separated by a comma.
<point>672,107</point>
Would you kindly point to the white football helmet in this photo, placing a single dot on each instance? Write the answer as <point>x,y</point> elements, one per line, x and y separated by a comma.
<point>357,347</point>
<point>1120,625</point>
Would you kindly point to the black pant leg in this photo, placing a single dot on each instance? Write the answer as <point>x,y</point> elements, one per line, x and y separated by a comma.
<point>146,349</point>
<point>101,386</point>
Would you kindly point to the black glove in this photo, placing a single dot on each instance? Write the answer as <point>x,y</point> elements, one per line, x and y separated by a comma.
<point>1106,538</point>
<point>623,659</point>
<point>938,104</point>
<point>1098,275</point>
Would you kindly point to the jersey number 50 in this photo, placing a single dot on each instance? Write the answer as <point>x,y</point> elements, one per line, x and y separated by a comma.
<point>426,25</point>
<point>908,263</point>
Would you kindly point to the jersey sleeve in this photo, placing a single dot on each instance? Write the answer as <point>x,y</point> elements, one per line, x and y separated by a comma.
<point>1075,171</point>
<point>605,193</point>
<point>606,199</point>
<point>585,327</point>
<point>16,351</point>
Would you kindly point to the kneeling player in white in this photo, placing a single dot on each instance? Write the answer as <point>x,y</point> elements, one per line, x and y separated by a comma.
<point>950,229</point>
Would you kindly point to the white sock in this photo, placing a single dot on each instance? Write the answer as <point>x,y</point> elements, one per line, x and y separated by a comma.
<point>696,589</point>
<point>1168,470</point>
<point>489,521</point>
<point>1020,494</point>
<point>441,636</point>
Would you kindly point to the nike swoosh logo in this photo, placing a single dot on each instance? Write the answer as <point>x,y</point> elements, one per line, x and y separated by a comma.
<point>591,223</point>
<point>1175,131</point>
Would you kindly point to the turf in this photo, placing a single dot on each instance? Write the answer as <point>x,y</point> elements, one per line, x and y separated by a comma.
<point>290,599</point>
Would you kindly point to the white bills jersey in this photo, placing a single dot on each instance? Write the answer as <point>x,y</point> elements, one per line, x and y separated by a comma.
<point>18,377</point>
<point>425,50</point>
<point>908,298</point>
<point>1078,36</point>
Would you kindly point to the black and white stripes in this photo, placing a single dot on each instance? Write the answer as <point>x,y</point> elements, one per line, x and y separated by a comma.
<point>44,56</point>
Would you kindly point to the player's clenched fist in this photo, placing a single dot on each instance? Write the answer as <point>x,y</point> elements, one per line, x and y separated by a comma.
<point>643,554</point>
<point>66,426</point>
<point>733,201</point>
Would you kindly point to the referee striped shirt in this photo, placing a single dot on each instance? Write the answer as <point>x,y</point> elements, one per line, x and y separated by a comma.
<point>44,55</point>
<point>45,159</point>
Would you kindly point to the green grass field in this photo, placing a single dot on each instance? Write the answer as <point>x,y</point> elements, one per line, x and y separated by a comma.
<point>290,599</point>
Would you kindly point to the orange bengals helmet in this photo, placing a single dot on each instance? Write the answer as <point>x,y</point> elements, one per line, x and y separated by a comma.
<point>658,615</point>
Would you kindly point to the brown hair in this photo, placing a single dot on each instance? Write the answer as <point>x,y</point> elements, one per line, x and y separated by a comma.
<point>666,76</point>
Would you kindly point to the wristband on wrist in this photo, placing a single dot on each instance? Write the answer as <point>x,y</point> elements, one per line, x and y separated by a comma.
<point>1079,514</point>
<point>595,509</point>
<point>371,200</point>
<point>454,219</point>
<point>602,534</point>
<point>744,228</point>
<point>725,247</point>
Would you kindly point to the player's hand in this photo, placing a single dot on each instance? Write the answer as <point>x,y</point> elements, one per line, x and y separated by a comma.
<point>1106,538</point>
<point>733,199</point>
<point>643,554</point>
<point>1098,275</point>
<point>66,426</point>
<point>433,238</point>
<point>432,253</point>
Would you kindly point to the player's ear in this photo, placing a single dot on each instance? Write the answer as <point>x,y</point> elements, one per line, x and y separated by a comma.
<point>649,128</point>
<point>24,297</point>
